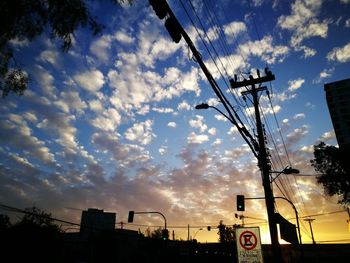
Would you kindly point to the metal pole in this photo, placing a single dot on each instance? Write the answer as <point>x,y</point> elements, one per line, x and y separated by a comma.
<point>154,212</point>
<point>296,215</point>
<point>312,233</point>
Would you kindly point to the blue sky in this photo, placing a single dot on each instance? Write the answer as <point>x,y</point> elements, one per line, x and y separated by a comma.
<point>111,124</point>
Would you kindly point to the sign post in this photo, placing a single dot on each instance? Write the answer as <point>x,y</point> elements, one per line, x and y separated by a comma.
<point>248,245</point>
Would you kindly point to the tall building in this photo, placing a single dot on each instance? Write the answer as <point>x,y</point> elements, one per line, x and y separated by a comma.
<point>96,220</point>
<point>338,100</point>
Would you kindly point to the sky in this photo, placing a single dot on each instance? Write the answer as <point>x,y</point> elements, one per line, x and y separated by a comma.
<point>111,123</point>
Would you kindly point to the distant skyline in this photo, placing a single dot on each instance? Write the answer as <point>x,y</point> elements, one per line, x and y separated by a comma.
<point>111,124</point>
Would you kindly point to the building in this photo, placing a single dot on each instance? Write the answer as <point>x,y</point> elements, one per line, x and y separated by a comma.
<point>338,100</point>
<point>96,220</point>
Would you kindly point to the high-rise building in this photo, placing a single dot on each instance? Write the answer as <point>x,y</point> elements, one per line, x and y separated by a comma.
<point>338,100</point>
<point>96,220</point>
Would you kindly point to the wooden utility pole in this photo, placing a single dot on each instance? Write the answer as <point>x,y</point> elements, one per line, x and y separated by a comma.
<point>310,220</point>
<point>263,160</point>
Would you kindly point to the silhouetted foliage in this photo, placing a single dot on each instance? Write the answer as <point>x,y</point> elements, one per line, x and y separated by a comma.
<point>23,20</point>
<point>156,234</point>
<point>333,165</point>
<point>4,222</point>
<point>34,238</point>
<point>226,233</point>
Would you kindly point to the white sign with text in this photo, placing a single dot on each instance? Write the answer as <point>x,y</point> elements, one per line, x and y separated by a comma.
<point>248,245</point>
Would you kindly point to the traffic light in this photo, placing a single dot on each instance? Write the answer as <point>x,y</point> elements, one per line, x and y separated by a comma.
<point>165,234</point>
<point>160,7</point>
<point>131,216</point>
<point>173,28</point>
<point>240,203</point>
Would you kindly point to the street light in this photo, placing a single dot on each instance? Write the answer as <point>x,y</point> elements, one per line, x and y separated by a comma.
<point>204,106</point>
<point>286,170</point>
<point>197,232</point>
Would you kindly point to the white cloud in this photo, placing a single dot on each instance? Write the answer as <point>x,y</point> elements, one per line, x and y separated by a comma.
<point>213,33</point>
<point>109,120</point>
<point>71,100</point>
<point>303,24</point>
<point>162,150</point>
<point>233,29</point>
<point>124,37</point>
<point>219,117</point>
<point>183,106</point>
<point>295,84</point>
<point>347,22</point>
<point>217,141</point>
<point>340,54</point>
<point>213,101</point>
<point>297,134</point>
<point>18,134</point>
<point>46,81</point>
<point>141,132</point>
<point>162,110</point>
<point>95,105</point>
<point>299,116</point>
<point>132,89</point>
<point>265,50</point>
<point>100,47</point>
<point>326,73</point>
<point>198,123</point>
<point>91,80</point>
<point>345,1</point>
<point>327,136</point>
<point>212,131</point>
<point>49,56</point>
<point>197,139</point>
<point>172,124</point>
<point>233,130</point>
<point>31,117</point>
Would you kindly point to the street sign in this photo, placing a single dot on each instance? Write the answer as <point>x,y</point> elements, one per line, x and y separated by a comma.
<point>248,245</point>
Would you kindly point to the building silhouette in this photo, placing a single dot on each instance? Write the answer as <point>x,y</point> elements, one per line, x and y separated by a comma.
<point>338,100</point>
<point>96,220</point>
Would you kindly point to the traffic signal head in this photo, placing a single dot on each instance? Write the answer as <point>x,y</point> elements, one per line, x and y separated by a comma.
<point>165,234</point>
<point>240,203</point>
<point>131,216</point>
<point>160,7</point>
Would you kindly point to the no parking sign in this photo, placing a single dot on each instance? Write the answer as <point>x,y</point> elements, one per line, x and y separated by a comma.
<point>248,245</point>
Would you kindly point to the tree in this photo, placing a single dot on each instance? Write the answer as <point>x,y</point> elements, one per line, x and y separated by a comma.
<point>4,222</point>
<point>156,234</point>
<point>38,217</point>
<point>25,20</point>
<point>226,233</point>
<point>333,165</point>
<point>34,238</point>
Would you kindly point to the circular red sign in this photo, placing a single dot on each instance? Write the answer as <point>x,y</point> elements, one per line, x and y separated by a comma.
<point>248,240</point>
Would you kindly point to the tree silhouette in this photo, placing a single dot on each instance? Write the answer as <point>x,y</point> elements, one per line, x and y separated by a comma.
<point>4,222</point>
<point>25,20</point>
<point>226,233</point>
<point>34,238</point>
<point>333,165</point>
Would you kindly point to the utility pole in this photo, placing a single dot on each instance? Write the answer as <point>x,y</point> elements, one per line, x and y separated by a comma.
<point>263,160</point>
<point>310,220</point>
<point>176,32</point>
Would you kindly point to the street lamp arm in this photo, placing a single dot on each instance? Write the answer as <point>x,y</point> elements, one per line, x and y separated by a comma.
<point>296,214</point>
<point>242,130</point>
<point>154,212</point>
<point>287,170</point>
<point>227,117</point>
